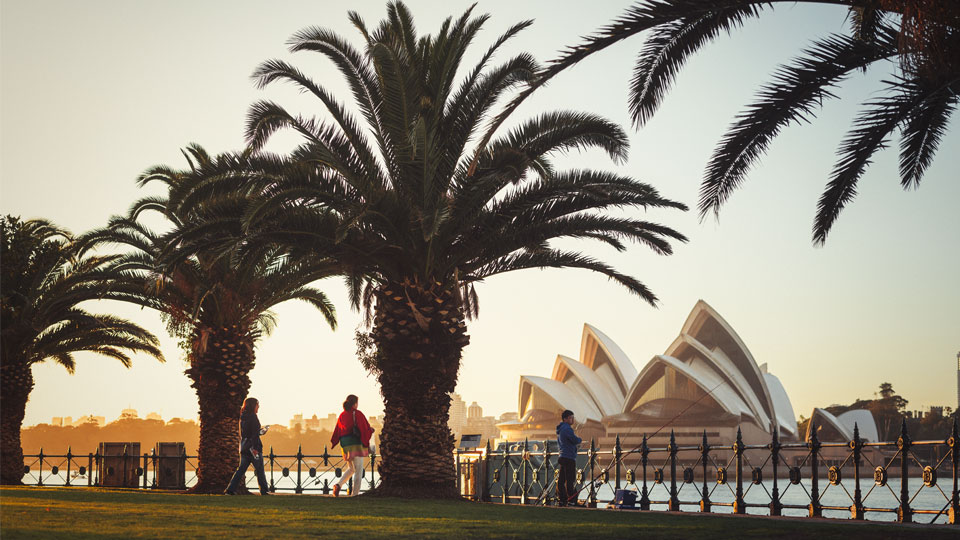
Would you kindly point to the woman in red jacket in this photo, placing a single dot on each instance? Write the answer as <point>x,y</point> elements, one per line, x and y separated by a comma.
<point>353,433</point>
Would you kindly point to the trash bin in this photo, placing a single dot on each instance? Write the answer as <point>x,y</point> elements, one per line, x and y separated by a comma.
<point>169,465</point>
<point>118,464</point>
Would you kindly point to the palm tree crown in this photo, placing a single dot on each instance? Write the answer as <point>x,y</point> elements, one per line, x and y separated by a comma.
<point>920,37</point>
<point>45,282</point>
<point>397,182</point>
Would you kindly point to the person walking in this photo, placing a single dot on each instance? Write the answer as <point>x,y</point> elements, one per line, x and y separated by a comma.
<point>251,448</point>
<point>353,434</point>
<point>568,442</point>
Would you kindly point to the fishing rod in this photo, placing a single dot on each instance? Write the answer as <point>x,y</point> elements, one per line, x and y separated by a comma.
<point>616,460</point>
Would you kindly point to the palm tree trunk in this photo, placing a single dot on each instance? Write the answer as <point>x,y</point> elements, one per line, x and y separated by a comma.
<point>220,368</point>
<point>16,382</point>
<point>420,335</point>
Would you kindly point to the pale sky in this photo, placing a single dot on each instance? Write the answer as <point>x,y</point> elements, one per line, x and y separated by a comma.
<point>93,93</point>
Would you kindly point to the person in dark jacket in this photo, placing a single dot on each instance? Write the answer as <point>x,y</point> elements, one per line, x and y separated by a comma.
<point>251,448</point>
<point>568,442</point>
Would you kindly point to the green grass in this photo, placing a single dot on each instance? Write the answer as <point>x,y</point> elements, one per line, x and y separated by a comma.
<point>78,513</point>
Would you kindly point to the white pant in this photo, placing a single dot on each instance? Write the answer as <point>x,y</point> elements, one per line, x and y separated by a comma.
<point>354,468</point>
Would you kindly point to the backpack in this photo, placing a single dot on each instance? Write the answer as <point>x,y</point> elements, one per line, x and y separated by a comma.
<point>356,429</point>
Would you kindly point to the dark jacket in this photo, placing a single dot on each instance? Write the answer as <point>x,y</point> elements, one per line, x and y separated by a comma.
<point>250,433</point>
<point>567,440</point>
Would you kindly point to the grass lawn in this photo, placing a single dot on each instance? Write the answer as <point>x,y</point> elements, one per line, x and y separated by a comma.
<point>92,513</point>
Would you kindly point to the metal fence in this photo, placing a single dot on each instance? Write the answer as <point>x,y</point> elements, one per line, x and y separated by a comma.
<point>526,472</point>
<point>521,474</point>
<point>296,473</point>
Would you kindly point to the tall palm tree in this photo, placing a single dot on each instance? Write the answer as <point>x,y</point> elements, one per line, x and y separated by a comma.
<point>218,303</point>
<point>45,281</point>
<point>921,37</point>
<point>391,196</point>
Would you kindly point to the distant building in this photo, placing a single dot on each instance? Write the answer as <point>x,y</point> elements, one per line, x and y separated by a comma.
<point>154,416</point>
<point>477,423</point>
<point>296,423</point>
<point>458,415</point>
<point>128,414</point>
<point>67,421</point>
<point>99,421</point>
<point>706,381</point>
<point>509,417</point>
<point>56,421</point>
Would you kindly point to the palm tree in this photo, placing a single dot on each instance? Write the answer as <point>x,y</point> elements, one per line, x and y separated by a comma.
<point>921,36</point>
<point>218,303</point>
<point>391,195</point>
<point>44,282</point>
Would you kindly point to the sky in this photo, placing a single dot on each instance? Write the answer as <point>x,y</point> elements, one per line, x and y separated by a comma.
<point>94,93</point>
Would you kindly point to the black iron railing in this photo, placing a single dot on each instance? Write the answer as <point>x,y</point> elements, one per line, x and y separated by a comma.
<point>297,473</point>
<point>526,473</point>
<point>738,477</point>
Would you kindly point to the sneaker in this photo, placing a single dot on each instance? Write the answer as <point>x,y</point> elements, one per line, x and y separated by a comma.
<point>336,490</point>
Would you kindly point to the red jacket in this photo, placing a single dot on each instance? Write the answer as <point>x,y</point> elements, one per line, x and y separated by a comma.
<point>345,427</point>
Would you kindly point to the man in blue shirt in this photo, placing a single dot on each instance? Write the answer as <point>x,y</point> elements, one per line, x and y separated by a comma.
<point>568,442</point>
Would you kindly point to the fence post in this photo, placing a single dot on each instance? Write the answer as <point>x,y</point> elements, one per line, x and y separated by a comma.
<point>815,510</point>
<point>738,507</point>
<point>674,505</point>
<point>954,443</point>
<point>856,511</point>
<point>146,461</point>
<point>485,475</point>
<point>89,469</point>
<point>524,462</point>
<point>546,473</point>
<point>459,482</point>
<point>123,479</point>
<point>904,513</point>
<point>644,494</point>
<point>300,467</point>
<point>183,465</point>
<point>503,478</point>
<point>373,468</point>
<point>592,503</point>
<point>776,507</point>
<point>705,453</point>
<point>69,457</point>
<point>153,456</point>
<point>40,478</point>
<point>617,456</point>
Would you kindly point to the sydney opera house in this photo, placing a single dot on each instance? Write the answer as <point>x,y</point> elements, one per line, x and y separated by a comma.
<point>706,381</point>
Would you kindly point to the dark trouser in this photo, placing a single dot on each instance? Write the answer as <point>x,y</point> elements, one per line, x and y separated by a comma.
<point>246,458</point>
<point>566,493</point>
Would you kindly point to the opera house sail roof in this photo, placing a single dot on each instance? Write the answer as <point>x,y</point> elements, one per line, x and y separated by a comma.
<point>707,373</point>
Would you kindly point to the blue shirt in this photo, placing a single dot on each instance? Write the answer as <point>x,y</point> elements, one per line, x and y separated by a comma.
<point>567,440</point>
